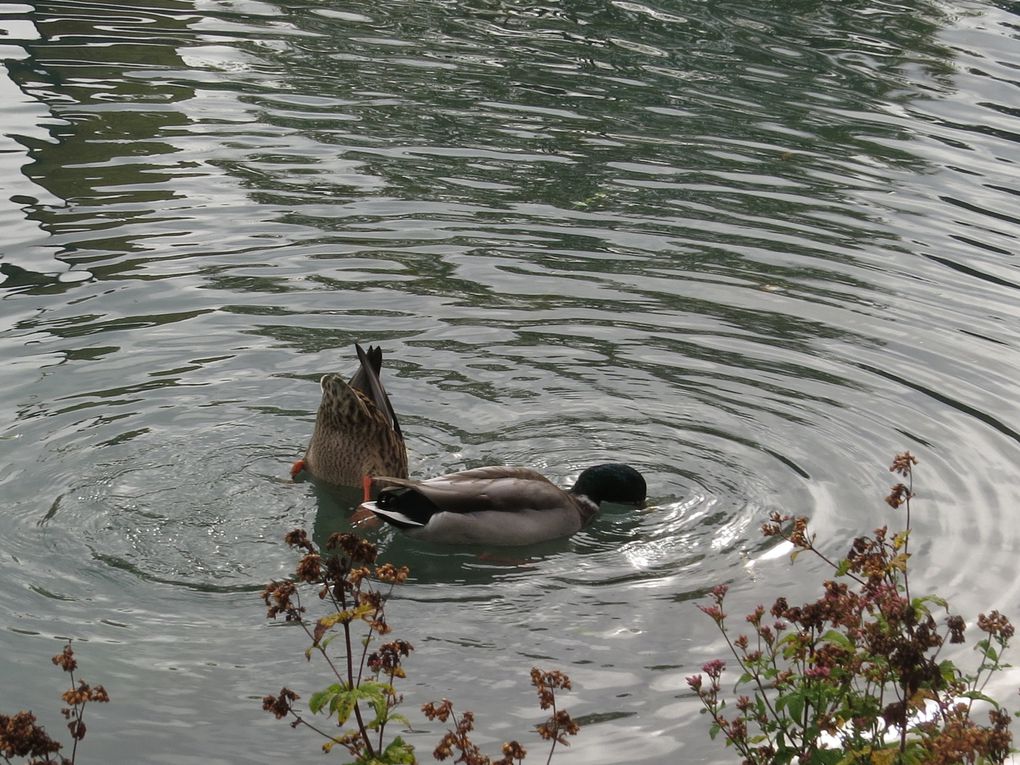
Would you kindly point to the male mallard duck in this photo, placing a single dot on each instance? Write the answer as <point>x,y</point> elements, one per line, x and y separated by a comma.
<point>502,505</point>
<point>356,431</point>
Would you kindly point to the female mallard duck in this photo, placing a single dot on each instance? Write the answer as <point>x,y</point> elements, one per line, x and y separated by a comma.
<point>356,431</point>
<point>502,505</point>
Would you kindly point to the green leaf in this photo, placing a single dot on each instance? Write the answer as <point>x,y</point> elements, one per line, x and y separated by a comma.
<point>342,705</point>
<point>374,692</point>
<point>899,562</point>
<point>941,602</point>
<point>838,638</point>
<point>915,755</point>
<point>330,620</point>
<point>398,753</point>
<point>319,699</point>
<point>796,705</point>
<point>884,756</point>
<point>826,757</point>
<point>991,653</point>
<point>790,638</point>
<point>399,718</point>
<point>978,696</point>
<point>784,757</point>
<point>948,671</point>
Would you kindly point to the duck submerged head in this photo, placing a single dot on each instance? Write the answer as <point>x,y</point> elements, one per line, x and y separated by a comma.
<point>611,482</point>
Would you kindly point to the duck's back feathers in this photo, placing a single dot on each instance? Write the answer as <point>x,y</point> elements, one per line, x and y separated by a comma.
<point>490,505</point>
<point>497,488</point>
<point>356,430</point>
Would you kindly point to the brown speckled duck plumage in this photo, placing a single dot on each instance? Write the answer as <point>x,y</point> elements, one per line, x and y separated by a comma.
<point>356,431</point>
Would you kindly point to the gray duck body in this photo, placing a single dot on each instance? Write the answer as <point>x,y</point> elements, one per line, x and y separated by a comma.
<point>497,505</point>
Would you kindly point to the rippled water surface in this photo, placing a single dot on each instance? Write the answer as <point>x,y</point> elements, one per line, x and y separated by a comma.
<point>751,248</point>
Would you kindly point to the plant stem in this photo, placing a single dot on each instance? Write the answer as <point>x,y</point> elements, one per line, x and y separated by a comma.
<point>364,646</point>
<point>78,711</point>
<point>906,539</point>
<point>554,741</point>
<point>756,675</point>
<point>350,679</point>
<point>298,718</point>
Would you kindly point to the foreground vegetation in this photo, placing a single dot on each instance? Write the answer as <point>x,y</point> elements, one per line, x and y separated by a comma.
<point>21,735</point>
<point>361,702</point>
<point>856,677</point>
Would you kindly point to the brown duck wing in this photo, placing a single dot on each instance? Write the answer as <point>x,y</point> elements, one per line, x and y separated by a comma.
<point>352,438</point>
<point>503,489</point>
<point>356,431</point>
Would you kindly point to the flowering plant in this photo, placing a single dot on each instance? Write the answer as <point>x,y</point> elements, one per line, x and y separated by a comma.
<point>857,676</point>
<point>363,700</point>
<point>22,736</point>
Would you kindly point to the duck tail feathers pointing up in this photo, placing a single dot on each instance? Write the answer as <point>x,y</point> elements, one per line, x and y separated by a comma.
<point>366,379</point>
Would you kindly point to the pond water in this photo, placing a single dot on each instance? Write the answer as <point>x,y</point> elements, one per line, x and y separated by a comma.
<point>753,249</point>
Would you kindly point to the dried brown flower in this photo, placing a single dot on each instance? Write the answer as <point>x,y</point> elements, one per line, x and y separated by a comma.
<point>309,568</point>
<point>356,549</point>
<point>277,596</point>
<point>774,526</point>
<point>390,574</point>
<point>898,495</point>
<point>65,659</point>
<point>280,705</point>
<point>511,751</point>
<point>440,711</point>
<point>299,538</point>
<point>799,536</point>
<point>558,727</point>
<point>457,739</point>
<point>387,658</point>
<point>22,736</point>
<point>902,463</point>
<point>996,625</point>
<point>956,627</point>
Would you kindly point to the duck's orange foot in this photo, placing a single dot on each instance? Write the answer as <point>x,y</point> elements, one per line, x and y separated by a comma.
<point>296,468</point>
<point>366,488</point>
